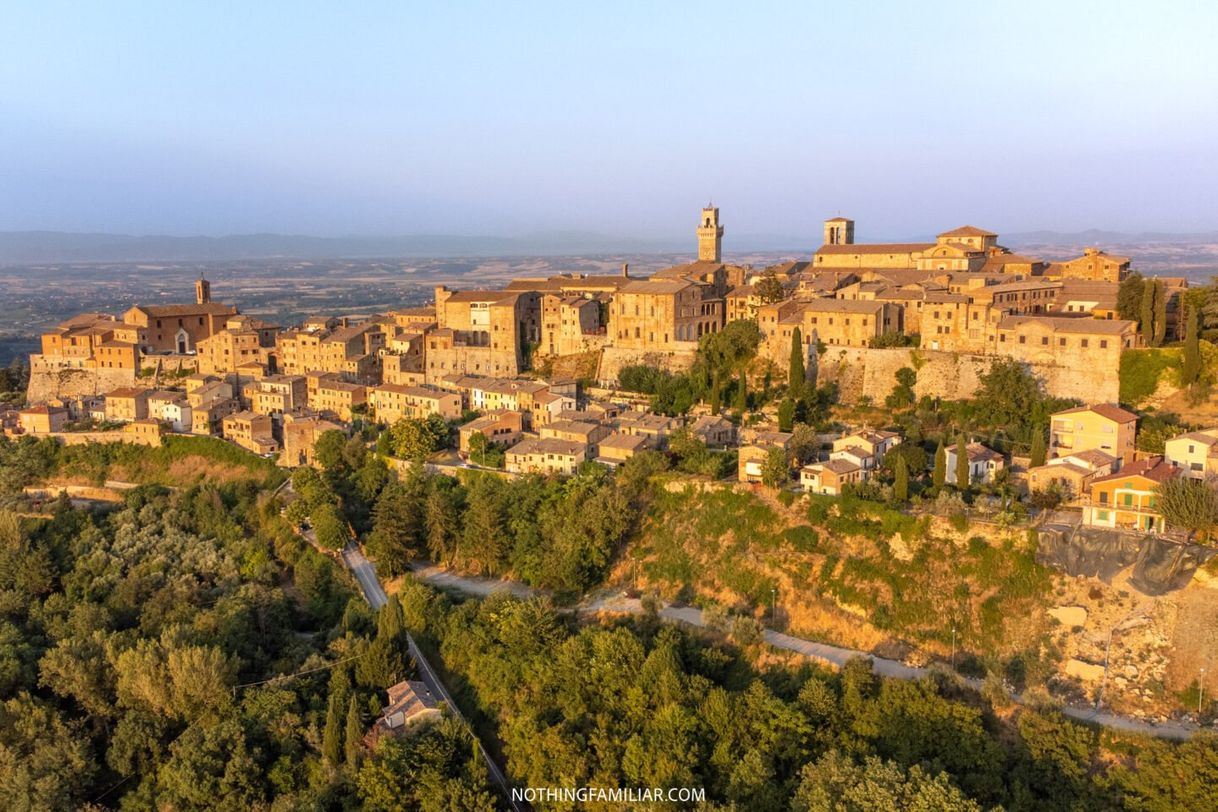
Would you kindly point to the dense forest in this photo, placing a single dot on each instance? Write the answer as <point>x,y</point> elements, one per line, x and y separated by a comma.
<point>643,703</point>
<point>188,651</point>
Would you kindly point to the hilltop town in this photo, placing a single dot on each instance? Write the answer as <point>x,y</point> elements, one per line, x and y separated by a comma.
<point>541,359</point>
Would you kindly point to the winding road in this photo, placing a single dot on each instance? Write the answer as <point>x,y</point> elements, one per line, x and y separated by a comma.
<point>833,655</point>
<point>365,573</point>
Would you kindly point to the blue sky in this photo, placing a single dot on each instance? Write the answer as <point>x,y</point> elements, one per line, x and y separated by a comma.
<point>623,118</point>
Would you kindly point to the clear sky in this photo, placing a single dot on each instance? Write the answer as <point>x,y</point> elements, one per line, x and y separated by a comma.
<point>511,118</point>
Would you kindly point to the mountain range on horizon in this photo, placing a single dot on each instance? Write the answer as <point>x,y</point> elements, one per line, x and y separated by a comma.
<point>31,247</point>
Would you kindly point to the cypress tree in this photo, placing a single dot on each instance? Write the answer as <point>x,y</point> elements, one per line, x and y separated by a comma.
<point>332,737</point>
<point>786,415</point>
<point>714,402</point>
<point>1038,447</point>
<point>962,477</point>
<point>796,374</point>
<point>1190,369</point>
<point>742,394</point>
<point>939,476</point>
<point>1160,313</point>
<point>900,482</point>
<point>355,733</point>
<point>1146,318</point>
<point>390,621</point>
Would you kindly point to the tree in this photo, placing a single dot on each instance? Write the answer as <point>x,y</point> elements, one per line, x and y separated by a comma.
<point>742,394</point>
<point>1190,504</point>
<point>418,438</point>
<point>797,374</point>
<point>900,482</point>
<point>354,743</point>
<point>396,535</point>
<point>834,782</point>
<point>1038,448</point>
<point>939,476</point>
<point>902,394</point>
<point>1129,297</point>
<point>962,467</point>
<point>1146,312</point>
<point>1160,313</point>
<point>715,394</point>
<point>1190,367</point>
<point>328,450</point>
<point>776,470</point>
<point>769,288</point>
<point>786,414</point>
<point>804,443</point>
<point>332,735</point>
<point>329,527</point>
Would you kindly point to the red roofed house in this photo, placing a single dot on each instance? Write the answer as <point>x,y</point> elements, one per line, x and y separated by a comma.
<point>410,703</point>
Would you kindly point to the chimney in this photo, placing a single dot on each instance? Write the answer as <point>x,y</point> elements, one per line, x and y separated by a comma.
<point>625,269</point>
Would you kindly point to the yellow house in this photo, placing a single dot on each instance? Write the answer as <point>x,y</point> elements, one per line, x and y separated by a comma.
<point>1106,427</point>
<point>1195,453</point>
<point>1127,498</point>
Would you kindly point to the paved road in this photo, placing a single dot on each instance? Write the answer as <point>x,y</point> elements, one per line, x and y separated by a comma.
<point>365,573</point>
<point>833,655</point>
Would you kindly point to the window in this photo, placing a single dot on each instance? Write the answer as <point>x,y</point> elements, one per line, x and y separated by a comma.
<point>1103,344</point>
<point>1061,342</point>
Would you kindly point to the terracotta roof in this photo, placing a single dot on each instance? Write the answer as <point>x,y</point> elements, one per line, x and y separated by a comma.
<point>173,310</point>
<point>477,295</point>
<point>1108,410</point>
<point>968,231</point>
<point>1152,468</point>
<point>548,445</point>
<point>876,248</point>
<point>838,466</point>
<point>1067,324</point>
<point>657,286</point>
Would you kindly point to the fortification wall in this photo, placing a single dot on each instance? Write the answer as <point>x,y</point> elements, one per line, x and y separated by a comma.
<point>50,378</point>
<point>870,372</point>
<point>614,358</point>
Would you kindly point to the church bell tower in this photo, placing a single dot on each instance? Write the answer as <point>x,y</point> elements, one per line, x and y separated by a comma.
<point>202,290</point>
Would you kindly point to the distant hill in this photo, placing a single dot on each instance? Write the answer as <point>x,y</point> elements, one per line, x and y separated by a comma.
<point>1097,236</point>
<point>26,247</point>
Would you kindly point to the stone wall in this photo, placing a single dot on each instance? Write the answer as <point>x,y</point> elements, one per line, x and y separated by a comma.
<point>50,378</point>
<point>614,358</point>
<point>872,372</point>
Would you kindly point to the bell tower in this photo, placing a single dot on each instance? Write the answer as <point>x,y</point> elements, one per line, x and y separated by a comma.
<point>710,236</point>
<point>202,290</point>
<point>839,231</point>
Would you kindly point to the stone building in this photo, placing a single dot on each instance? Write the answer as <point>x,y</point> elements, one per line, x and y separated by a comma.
<point>330,395</point>
<point>253,432</point>
<point>570,324</point>
<point>392,402</point>
<point>243,340</point>
<point>352,351</point>
<point>499,428</point>
<point>277,394</point>
<point>1094,264</point>
<point>300,436</point>
<point>546,456</point>
<point>42,419</point>
<point>834,322</point>
<point>126,403</point>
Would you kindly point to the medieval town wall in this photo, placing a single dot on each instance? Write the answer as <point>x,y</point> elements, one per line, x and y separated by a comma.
<point>860,372</point>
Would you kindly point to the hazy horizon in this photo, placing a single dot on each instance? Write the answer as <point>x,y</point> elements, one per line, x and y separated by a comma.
<point>503,121</point>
